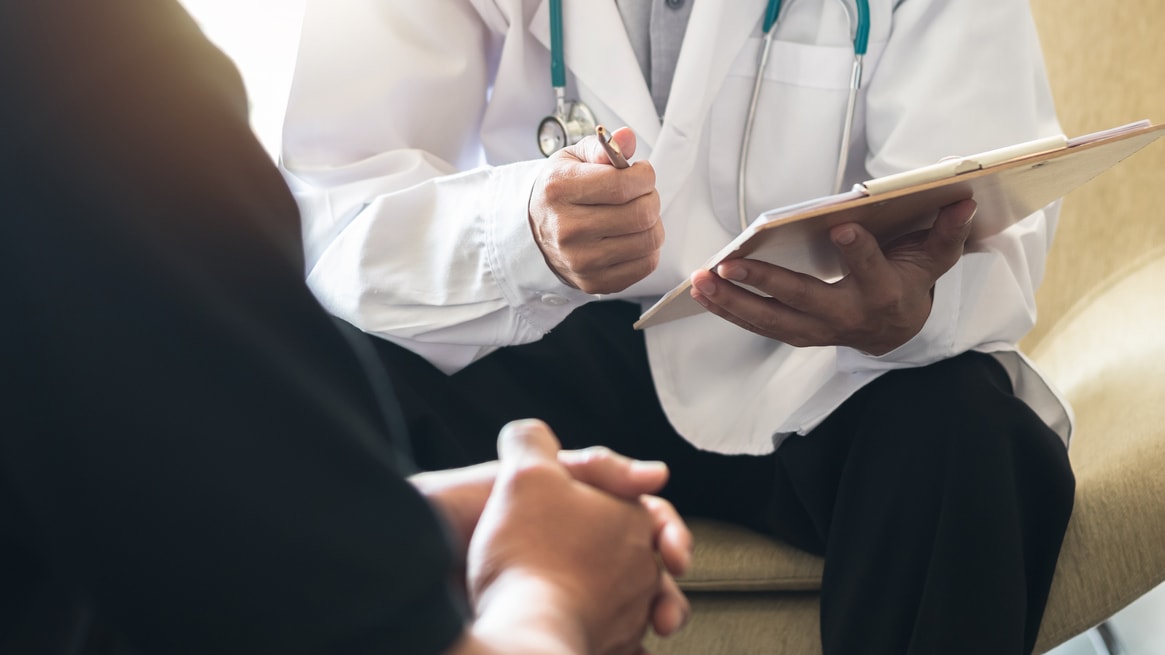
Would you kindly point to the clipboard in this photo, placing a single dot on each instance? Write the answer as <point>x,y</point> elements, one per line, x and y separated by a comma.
<point>1008,184</point>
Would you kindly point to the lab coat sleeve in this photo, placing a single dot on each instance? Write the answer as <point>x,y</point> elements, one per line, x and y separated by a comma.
<point>407,234</point>
<point>959,77</point>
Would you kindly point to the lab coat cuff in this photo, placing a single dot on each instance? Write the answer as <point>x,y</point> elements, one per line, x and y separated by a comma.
<point>527,282</point>
<point>934,342</point>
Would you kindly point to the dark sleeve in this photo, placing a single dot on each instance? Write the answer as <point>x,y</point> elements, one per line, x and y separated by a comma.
<point>185,433</point>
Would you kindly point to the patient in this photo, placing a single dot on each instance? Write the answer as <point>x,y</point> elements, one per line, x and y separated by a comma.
<point>195,458</point>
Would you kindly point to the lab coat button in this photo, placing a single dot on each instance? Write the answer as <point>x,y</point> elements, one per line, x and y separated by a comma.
<point>553,299</point>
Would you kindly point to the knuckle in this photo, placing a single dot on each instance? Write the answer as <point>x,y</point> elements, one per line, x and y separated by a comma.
<point>614,285</point>
<point>648,173</point>
<point>594,285</point>
<point>849,333</point>
<point>869,257</point>
<point>651,239</point>
<point>619,188</point>
<point>640,269</point>
<point>651,263</point>
<point>555,185</point>
<point>566,231</point>
<point>800,291</point>
<point>890,302</point>
<point>772,325</point>
<point>587,262</point>
<point>651,201</point>
<point>660,504</point>
<point>533,473</point>
<point>593,454</point>
<point>957,237</point>
<point>634,187</point>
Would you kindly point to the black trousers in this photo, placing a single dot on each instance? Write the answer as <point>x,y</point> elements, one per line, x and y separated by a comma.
<point>938,499</point>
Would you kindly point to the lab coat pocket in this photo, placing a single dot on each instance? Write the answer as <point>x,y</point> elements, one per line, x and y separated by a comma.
<point>796,135</point>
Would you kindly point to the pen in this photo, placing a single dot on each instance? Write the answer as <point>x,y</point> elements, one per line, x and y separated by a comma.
<point>611,148</point>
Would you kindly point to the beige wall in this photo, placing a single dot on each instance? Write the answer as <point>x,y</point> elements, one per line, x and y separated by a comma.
<point>1106,61</point>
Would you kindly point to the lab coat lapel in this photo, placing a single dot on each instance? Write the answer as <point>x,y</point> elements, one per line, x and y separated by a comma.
<point>716,33</point>
<point>598,52</point>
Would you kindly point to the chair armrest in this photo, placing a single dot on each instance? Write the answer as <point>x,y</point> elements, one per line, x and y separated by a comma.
<point>1108,358</point>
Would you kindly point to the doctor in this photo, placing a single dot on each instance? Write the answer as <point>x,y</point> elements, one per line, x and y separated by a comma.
<point>886,421</point>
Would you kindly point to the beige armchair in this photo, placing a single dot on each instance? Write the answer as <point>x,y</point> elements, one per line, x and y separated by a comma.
<point>1101,338</point>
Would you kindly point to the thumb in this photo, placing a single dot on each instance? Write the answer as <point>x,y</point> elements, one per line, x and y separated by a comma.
<point>525,442</point>
<point>950,231</point>
<point>625,138</point>
<point>860,251</point>
<point>589,149</point>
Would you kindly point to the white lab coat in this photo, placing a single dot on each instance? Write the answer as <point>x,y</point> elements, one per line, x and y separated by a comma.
<point>412,236</point>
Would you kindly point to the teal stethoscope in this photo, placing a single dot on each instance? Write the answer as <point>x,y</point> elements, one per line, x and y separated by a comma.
<point>572,120</point>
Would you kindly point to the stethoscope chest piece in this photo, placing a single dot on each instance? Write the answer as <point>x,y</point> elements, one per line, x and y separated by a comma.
<point>565,127</point>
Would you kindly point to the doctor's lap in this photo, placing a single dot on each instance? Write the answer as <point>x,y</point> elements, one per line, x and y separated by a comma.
<point>887,422</point>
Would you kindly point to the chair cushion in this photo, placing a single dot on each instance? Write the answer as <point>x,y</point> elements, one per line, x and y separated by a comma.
<point>730,558</point>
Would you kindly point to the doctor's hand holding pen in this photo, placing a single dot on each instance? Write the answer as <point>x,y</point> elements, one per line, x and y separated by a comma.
<point>881,303</point>
<point>598,226</point>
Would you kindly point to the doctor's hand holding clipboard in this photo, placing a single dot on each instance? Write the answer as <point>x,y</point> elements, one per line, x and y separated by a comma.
<point>882,302</point>
<point>598,226</point>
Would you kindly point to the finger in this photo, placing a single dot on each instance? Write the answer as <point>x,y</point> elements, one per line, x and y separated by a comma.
<point>764,316</point>
<point>616,277</point>
<point>948,237</point>
<point>625,137</point>
<point>577,181</point>
<point>671,608</point>
<point>598,252</point>
<point>432,482</point>
<point>613,473</point>
<point>862,255</point>
<point>797,290</point>
<point>673,539</point>
<point>589,150</point>
<point>600,221</point>
<point>527,441</point>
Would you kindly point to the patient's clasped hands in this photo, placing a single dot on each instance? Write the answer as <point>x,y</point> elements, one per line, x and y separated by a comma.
<point>569,540</point>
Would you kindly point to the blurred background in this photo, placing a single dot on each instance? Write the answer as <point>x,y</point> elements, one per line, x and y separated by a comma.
<point>261,36</point>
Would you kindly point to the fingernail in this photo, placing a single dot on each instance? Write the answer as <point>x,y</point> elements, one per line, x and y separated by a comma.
<point>731,272</point>
<point>845,236</point>
<point>523,424</point>
<point>973,212</point>
<point>705,285</point>
<point>648,466</point>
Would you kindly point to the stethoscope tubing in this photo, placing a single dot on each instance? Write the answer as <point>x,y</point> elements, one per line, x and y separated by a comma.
<point>861,35</point>
<point>557,57</point>
<point>749,121</point>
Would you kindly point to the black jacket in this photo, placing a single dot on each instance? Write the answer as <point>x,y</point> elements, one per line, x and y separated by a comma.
<point>193,458</point>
